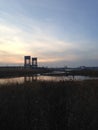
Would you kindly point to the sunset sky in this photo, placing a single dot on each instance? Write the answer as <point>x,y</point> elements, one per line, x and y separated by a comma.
<point>58,32</point>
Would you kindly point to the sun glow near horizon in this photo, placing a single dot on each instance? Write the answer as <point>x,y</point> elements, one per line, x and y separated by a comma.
<point>50,36</point>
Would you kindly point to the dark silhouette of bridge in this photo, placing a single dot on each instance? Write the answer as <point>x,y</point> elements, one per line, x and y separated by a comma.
<point>30,64</point>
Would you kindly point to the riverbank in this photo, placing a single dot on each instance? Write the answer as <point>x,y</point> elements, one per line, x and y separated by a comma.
<point>21,72</point>
<point>18,72</point>
<point>44,105</point>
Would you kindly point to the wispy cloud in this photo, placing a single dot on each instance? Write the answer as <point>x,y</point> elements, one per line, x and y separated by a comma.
<point>21,35</point>
<point>15,42</point>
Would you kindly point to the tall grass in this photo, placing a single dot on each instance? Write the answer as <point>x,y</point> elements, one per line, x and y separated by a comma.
<point>51,105</point>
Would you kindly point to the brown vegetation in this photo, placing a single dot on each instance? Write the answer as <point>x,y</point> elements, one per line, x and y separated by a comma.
<point>44,105</point>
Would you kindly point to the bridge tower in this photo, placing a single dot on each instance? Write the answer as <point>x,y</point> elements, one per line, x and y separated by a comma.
<point>27,61</point>
<point>34,62</point>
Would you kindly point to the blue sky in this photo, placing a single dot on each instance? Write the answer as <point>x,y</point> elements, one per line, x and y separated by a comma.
<point>58,32</point>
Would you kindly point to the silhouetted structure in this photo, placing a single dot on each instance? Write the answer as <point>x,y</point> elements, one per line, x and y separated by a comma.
<point>27,61</point>
<point>34,62</point>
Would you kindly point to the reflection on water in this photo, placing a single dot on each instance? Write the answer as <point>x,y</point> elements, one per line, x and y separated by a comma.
<point>43,78</point>
<point>30,78</point>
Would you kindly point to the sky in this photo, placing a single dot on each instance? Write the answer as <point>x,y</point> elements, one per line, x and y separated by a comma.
<point>58,32</point>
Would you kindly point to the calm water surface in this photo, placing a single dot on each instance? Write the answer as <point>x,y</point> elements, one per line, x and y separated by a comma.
<point>43,78</point>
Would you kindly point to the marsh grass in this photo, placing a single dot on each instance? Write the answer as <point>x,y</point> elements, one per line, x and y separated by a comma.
<point>42,105</point>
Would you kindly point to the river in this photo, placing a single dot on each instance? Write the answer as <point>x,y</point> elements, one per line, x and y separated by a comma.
<point>44,78</point>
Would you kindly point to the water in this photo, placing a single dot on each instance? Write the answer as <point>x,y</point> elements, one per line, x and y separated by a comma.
<point>43,78</point>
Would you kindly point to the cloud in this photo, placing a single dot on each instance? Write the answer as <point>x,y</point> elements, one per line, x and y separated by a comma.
<point>28,37</point>
<point>11,40</point>
<point>16,43</point>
